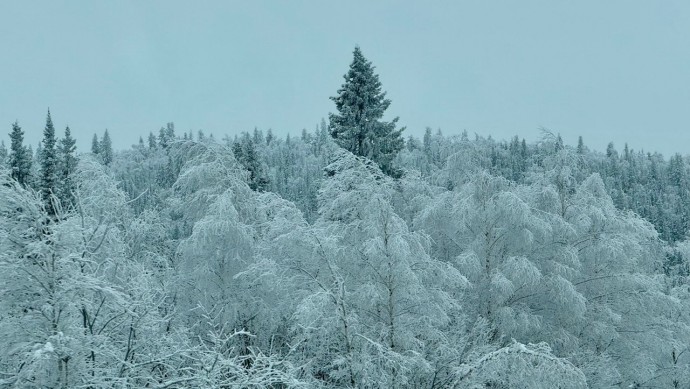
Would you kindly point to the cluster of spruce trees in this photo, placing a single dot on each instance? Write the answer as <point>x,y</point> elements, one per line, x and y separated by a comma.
<point>49,171</point>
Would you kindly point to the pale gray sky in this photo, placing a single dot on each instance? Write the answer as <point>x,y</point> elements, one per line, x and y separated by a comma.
<point>615,70</point>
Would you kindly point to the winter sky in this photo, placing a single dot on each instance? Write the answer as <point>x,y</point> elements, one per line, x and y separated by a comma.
<point>616,70</point>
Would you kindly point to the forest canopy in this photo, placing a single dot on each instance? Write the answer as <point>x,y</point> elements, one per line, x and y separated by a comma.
<point>346,257</point>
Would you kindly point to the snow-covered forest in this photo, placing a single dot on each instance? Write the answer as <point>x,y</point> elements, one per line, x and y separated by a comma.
<point>350,256</point>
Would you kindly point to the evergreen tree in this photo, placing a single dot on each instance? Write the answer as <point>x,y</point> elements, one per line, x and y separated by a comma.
<point>49,166</point>
<point>427,143</point>
<point>3,153</point>
<point>322,137</point>
<point>269,137</point>
<point>166,135</point>
<point>170,131</point>
<point>106,148</point>
<point>20,156</point>
<point>306,137</point>
<point>152,141</point>
<point>258,136</point>
<point>245,153</point>
<point>68,164</point>
<point>358,126</point>
<point>611,151</point>
<point>95,145</point>
<point>162,138</point>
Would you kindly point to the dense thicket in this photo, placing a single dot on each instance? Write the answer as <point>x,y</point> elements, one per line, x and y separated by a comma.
<point>267,262</point>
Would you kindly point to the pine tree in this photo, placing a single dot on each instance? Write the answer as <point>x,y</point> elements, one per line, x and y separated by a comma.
<point>358,126</point>
<point>95,145</point>
<point>49,166</point>
<point>20,156</point>
<point>68,164</point>
<point>106,148</point>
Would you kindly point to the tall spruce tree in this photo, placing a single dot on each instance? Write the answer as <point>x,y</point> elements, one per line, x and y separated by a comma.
<point>106,148</point>
<point>49,166</point>
<point>358,126</point>
<point>68,164</point>
<point>20,156</point>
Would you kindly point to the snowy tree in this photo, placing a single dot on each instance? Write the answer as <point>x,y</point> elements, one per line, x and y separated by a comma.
<point>627,307</point>
<point>152,141</point>
<point>105,148</point>
<point>389,273</point>
<point>50,277</point>
<point>521,366</point>
<point>67,166</point>
<point>20,156</point>
<point>95,145</point>
<point>49,167</point>
<point>166,135</point>
<point>3,154</point>
<point>245,152</point>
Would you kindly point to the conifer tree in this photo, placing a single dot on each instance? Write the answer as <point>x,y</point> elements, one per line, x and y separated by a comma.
<point>269,137</point>
<point>95,145</point>
<point>245,152</point>
<point>152,141</point>
<point>68,164</point>
<point>358,126</point>
<point>20,156</point>
<point>49,166</point>
<point>3,153</point>
<point>580,145</point>
<point>106,148</point>
<point>258,136</point>
<point>166,135</point>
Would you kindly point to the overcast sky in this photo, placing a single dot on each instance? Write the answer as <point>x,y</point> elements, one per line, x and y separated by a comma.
<point>607,70</point>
